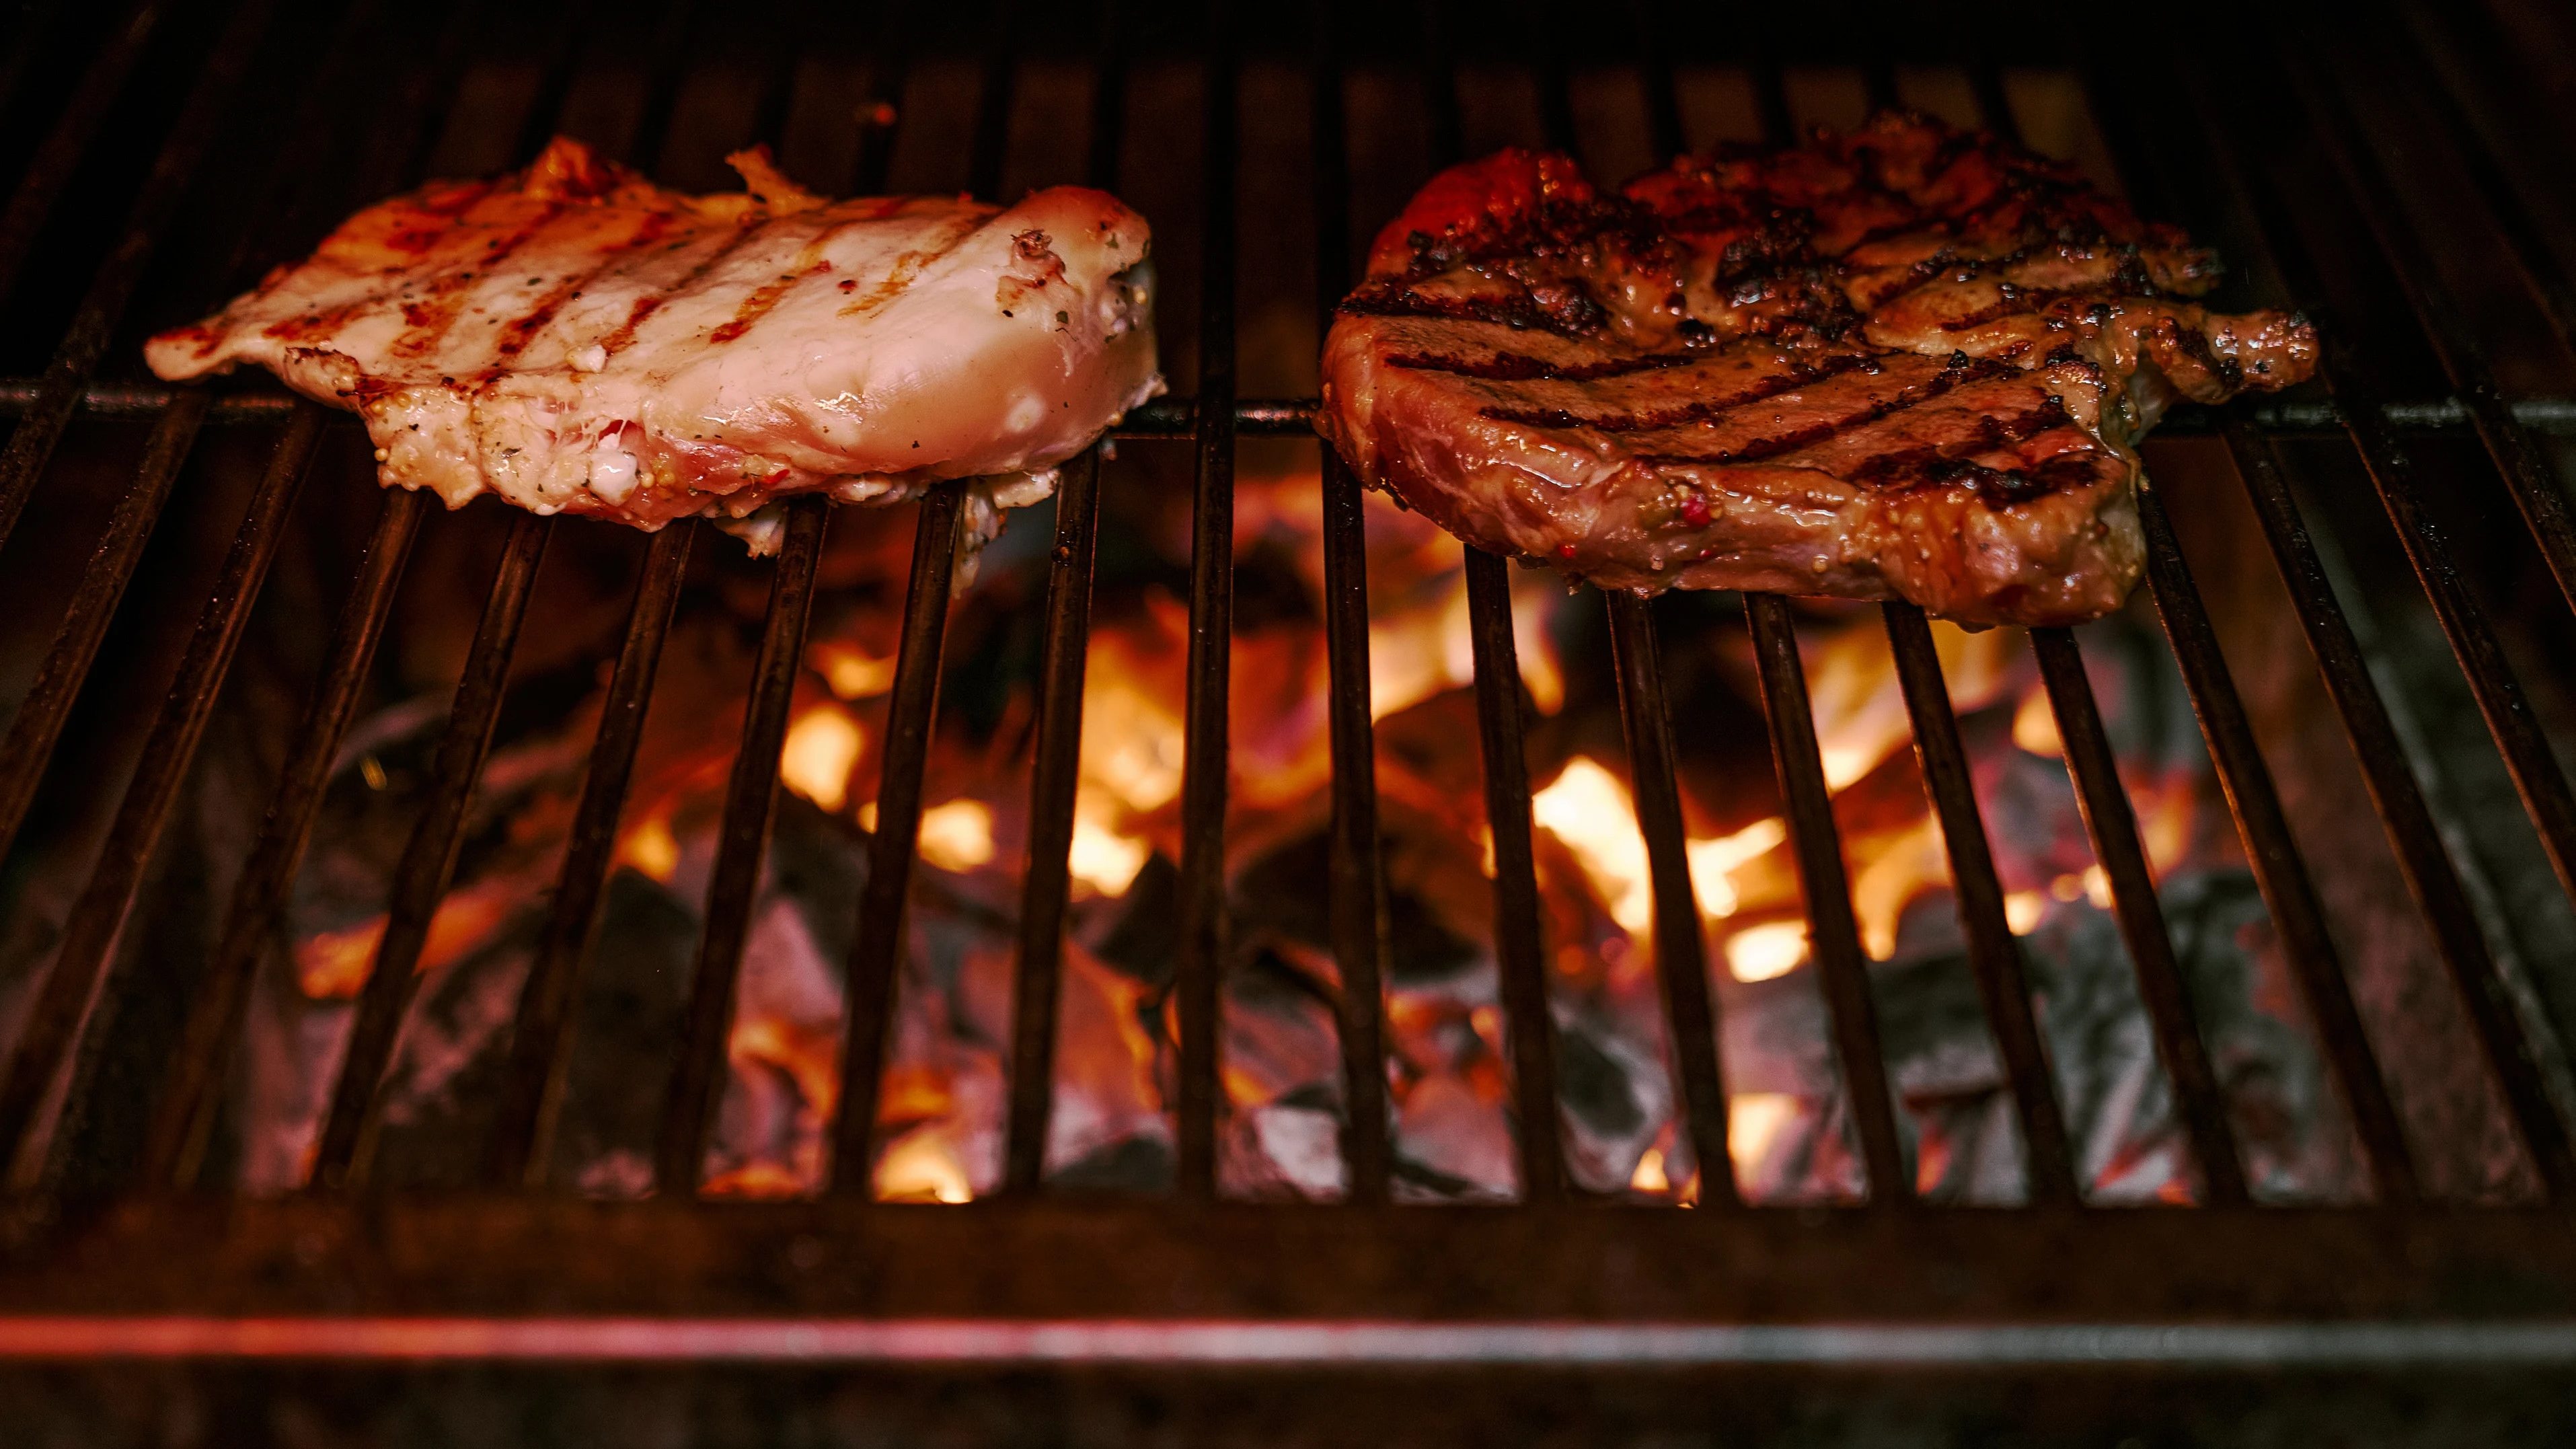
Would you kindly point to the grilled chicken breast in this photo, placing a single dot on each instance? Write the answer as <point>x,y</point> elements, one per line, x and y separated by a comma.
<point>574,339</point>
<point>1909,362</point>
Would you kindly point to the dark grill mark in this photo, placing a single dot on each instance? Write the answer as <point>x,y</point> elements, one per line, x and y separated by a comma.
<point>909,266</point>
<point>516,336</point>
<point>1962,369</point>
<point>1521,313</point>
<point>430,319</point>
<point>650,303</point>
<point>764,297</point>
<point>1954,463</point>
<point>1794,375</point>
<point>2017,301</point>
<point>1520,367</point>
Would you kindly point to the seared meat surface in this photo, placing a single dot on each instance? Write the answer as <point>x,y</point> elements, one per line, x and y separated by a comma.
<point>1908,362</point>
<point>576,339</point>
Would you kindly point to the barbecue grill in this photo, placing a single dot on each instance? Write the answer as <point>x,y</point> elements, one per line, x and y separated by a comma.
<point>170,152</point>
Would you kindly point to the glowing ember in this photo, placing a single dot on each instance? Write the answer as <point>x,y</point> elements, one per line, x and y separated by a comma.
<point>1713,861</point>
<point>957,835</point>
<point>1588,809</point>
<point>1753,1119</point>
<point>1758,953</point>
<point>941,1100</point>
<point>849,671</point>
<point>822,746</point>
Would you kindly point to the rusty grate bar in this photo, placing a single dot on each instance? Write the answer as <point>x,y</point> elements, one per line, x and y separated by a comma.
<point>31,446</point>
<point>1359,901</point>
<point>2003,986</point>
<point>540,1039</point>
<point>346,1148</point>
<point>2113,826</point>
<point>1200,957</point>
<point>192,1095</point>
<point>877,951</point>
<point>40,718</point>
<point>1833,936</point>
<point>742,839</point>
<point>2274,856</point>
<point>1681,953</point>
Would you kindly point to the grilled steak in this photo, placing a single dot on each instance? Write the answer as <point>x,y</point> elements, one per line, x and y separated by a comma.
<point>575,339</point>
<point>1908,362</point>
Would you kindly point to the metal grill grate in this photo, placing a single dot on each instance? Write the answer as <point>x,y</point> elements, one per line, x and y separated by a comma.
<point>166,1250</point>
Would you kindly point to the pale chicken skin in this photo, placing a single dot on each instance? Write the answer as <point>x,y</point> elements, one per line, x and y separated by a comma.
<point>1908,362</point>
<point>577,340</point>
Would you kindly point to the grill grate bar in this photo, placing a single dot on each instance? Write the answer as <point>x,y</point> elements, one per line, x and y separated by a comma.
<point>2274,855</point>
<point>90,931</point>
<point>751,801</point>
<point>2113,827</point>
<point>879,945</point>
<point>2351,379</point>
<point>878,948</point>
<point>282,217</point>
<point>1053,781</point>
<point>2412,834</point>
<point>1359,900</point>
<point>345,1151</point>
<point>77,356</point>
<point>2526,469</point>
<point>189,1102</point>
<point>1519,949</point>
<point>540,1040</point>
<point>2270,849</point>
<point>556,74</point>
<point>2398,797</point>
<point>751,795</point>
<point>68,143</point>
<point>1833,936</point>
<point>1200,958</point>
<point>1045,886</point>
<point>1519,955</point>
<point>40,718</point>
<point>1293,417</point>
<point>2525,240</point>
<point>522,1133</point>
<point>1993,954</point>
<point>1681,960</point>
<point>652,134</point>
<point>54,1025</point>
<point>539,1048</point>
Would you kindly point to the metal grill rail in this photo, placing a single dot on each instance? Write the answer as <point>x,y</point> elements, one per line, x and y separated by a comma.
<point>50,1046</point>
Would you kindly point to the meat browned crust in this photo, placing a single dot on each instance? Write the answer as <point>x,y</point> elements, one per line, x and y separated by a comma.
<point>575,339</point>
<point>1908,362</point>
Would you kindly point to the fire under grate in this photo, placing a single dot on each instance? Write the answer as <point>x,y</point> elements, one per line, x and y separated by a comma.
<point>165,1263</point>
